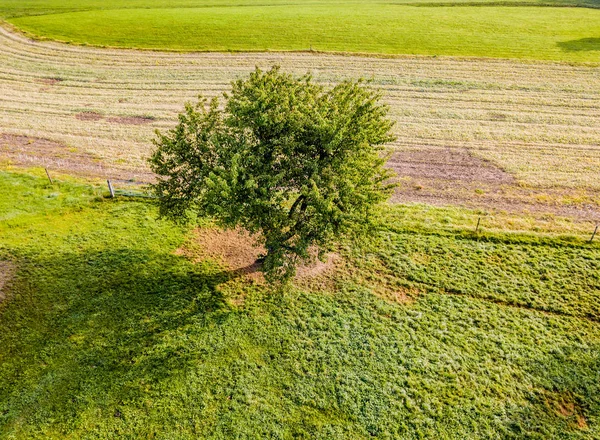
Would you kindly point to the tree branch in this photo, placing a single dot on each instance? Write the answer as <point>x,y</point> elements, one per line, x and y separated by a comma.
<point>295,205</point>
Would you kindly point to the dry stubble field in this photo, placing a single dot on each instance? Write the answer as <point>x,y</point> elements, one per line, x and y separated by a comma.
<point>495,134</point>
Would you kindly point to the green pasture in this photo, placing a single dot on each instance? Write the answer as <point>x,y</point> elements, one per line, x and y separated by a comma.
<point>16,8</point>
<point>524,30</point>
<point>109,333</point>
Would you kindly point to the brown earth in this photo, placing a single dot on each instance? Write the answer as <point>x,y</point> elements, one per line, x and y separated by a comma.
<point>123,120</point>
<point>7,272</point>
<point>448,164</point>
<point>130,120</point>
<point>238,251</point>
<point>566,405</point>
<point>89,116</point>
<point>235,249</point>
<point>49,81</point>
<point>456,177</point>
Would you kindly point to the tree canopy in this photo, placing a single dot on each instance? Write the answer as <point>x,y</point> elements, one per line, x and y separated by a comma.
<point>293,162</point>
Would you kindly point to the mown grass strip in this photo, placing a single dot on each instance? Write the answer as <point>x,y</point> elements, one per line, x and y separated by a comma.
<point>543,33</point>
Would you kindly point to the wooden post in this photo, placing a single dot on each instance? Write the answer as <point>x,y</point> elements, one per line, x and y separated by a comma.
<point>594,234</point>
<point>49,178</point>
<point>110,188</point>
<point>477,228</point>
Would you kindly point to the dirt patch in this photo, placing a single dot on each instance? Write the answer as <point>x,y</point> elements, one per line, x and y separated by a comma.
<point>122,120</point>
<point>567,406</point>
<point>454,177</point>
<point>395,294</point>
<point>238,251</point>
<point>30,151</point>
<point>131,120</point>
<point>7,272</point>
<point>317,267</point>
<point>89,116</point>
<point>235,249</point>
<point>448,164</point>
<point>49,81</point>
<point>581,422</point>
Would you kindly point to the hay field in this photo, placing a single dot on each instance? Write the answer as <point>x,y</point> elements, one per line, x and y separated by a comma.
<point>504,134</point>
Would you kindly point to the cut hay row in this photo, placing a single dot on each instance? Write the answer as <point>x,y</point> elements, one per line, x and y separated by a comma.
<point>538,122</point>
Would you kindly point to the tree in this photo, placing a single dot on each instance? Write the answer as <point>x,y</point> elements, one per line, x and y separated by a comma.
<point>299,165</point>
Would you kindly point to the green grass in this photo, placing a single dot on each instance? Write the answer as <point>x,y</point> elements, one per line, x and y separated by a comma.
<point>109,333</point>
<point>17,8</point>
<point>487,30</point>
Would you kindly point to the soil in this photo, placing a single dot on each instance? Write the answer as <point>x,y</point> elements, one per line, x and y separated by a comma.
<point>7,271</point>
<point>131,120</point>
<point>89,116</point>
<point>566,405</point>
<point>123,120</point>
<point>238,251</point>
<point>455,177</point>
<point>30,151</point>
<point>235,249</point>
<point>448,164</point>
<point>49,81</point>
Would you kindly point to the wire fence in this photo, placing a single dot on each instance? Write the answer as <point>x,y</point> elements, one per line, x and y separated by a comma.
<point>115,192</point>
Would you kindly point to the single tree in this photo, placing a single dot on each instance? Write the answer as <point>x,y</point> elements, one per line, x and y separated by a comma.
<point>296,164</point>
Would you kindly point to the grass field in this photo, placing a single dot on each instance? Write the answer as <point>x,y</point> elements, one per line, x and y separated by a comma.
<point>115,324</point>
<point>433,333</point>
<point>483,29</point>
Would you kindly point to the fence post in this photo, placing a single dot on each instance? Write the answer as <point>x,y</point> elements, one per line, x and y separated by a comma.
<point>594,234</point>
<point>477,228</point>
<point>110,188</point>
<point>49,178</point>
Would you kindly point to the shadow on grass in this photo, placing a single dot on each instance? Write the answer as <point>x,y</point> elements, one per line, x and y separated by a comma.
<point>107,326</point>
<point>123,337</point>
<point>568,390</point>
<point>581,45</point>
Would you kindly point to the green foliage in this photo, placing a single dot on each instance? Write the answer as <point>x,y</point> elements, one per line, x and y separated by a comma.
<point>288,160</point>
<point>109,333</point>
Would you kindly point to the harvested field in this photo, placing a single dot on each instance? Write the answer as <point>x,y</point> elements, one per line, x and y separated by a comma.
<point>29,151</point>
<point>528,133</point>
<point>449,164</point>
<point>454,176</point>
<point>88,116</point>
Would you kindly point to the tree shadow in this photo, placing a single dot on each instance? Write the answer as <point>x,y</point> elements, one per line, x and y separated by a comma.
<point>581,45</point>
<point>566,394</point>
<point>114,322</point>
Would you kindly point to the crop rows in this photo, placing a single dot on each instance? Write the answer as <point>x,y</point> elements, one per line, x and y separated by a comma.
<point>539,122</point>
